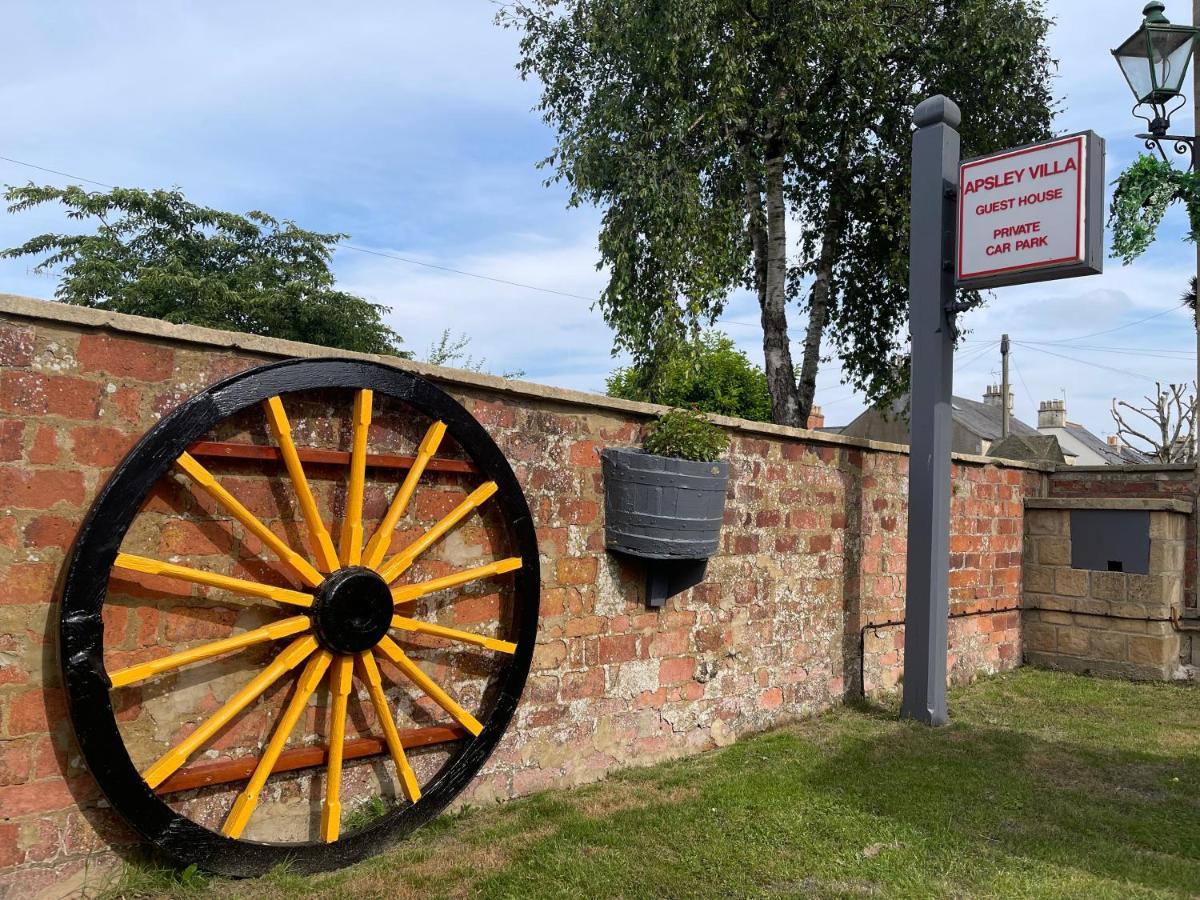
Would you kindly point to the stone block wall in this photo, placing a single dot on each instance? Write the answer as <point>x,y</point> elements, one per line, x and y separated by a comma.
<point>1153,482</point>
<point>811,574</point>
<point>1107,623</point>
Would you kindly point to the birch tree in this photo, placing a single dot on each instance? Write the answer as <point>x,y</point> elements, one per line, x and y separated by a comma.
<point>764,144</point>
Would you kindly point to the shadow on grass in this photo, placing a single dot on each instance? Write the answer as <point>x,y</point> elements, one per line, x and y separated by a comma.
<point>860,803</point>
<point>1045,785</point>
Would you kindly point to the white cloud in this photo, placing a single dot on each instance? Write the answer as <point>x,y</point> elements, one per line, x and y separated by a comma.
<point>406,126</point>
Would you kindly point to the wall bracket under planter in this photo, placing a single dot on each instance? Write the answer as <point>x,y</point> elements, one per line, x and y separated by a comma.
<point>666,512</point>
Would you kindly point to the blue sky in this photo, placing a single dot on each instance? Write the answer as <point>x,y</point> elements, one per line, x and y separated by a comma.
<point>406,126</point>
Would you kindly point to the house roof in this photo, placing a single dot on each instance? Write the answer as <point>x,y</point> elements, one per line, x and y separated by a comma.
<point>980,419</point>
<point>1112,456</point>
<point>984,420</point>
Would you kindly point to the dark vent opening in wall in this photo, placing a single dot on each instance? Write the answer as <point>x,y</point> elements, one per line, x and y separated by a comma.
<point>1115,565</point>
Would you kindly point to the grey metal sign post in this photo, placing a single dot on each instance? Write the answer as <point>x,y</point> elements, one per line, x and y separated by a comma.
<point>935,161</point>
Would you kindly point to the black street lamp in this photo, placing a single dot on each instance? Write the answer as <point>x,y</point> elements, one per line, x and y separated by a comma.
<point>1154,61</point>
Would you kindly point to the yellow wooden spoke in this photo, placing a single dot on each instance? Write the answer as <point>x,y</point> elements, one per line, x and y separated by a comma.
<point>246,802</point>
<point>467,637</point>
<point>369,672</point>
<point>340,679</point>
<point>398,564</point>
<point>352,529</point>
<point>409,592</point>
<point>211,579</point>
<point>294,654</point>
<point>377,547</point>
<point>392,651</point>
<point>206,480</point>
<point>273,632</point>
<point>281,428</point>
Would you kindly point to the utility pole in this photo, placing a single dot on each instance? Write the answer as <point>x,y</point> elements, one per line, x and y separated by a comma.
<point>935,159</point>
<point>1004,404</point>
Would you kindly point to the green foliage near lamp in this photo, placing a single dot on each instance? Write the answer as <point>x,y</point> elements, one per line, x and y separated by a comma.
<point>685,434</point>
<point>1143,193</point>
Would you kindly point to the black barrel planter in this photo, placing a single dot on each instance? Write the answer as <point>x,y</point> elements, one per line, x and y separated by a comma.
<point>666,511</point>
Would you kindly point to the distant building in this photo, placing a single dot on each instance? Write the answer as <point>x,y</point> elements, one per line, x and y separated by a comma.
<point>1088,449</point>
<point>976,425</point>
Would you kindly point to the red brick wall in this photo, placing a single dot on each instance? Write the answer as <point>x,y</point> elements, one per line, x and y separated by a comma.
<point>1176,482</point>
<point>812,567</point>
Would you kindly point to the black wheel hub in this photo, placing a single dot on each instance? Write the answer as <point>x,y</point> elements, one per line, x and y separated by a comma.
<point>352,610</point>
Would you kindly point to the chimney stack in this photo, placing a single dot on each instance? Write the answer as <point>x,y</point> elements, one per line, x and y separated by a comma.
<point>1052,414</point>
<point>993,395</point>
<point>1114,441</point>
<point>816,418</point>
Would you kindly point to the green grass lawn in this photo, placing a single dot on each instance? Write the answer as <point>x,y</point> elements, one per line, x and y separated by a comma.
<point>1044,785</point>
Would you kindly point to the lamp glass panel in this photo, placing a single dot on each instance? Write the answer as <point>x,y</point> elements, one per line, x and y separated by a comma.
<point>1172,64</point>
<point>1137,71</point>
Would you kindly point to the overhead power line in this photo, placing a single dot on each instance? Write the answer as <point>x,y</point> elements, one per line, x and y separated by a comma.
<point>56,172</point>
<point>1084,362</point>
<point>492,278</point>
<point>403,259</point>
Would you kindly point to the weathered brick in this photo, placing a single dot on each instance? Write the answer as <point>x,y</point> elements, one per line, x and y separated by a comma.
<point>583,685</point>
<point>16,345</point>
<point>32,393</point>
<point>140,360</point>
<point>46,448</point>
<point>586,454</point>
<point>676,671</point>
<point>618,648</point>
<point>772,698</point>
<point>580,570</point>
<point>41,489</point>
<point>12,439</point>
<point>28,583</point>
<point>51,531</point>
<point>33,711</point>
<point>99,445</point>
<point>49,795</point>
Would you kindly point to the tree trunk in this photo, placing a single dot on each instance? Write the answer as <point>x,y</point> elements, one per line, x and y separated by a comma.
<point>777,353</point>
<point>757,227</point>
<point>818,307</point>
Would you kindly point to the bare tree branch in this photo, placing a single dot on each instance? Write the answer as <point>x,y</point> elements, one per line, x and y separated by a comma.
<point>1172,412</point>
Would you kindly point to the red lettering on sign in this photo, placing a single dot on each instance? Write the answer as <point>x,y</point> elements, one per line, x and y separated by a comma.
<point>1014,230</point>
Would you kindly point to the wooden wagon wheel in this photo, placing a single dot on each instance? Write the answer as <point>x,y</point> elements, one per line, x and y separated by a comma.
<point>346,610</point>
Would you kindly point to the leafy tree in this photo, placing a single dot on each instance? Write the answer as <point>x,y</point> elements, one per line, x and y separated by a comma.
<point>451,350</point>
<point>704,127</point>
<point>156,254</point>
<point>709,374</point>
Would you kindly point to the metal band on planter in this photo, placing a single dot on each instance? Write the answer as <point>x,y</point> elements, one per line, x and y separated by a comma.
<point>337,613</point>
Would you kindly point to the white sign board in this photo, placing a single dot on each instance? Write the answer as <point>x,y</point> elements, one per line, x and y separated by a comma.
<point>1032,214</point>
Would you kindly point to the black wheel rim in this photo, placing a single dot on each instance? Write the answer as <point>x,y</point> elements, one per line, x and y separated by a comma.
<point>81,633</point>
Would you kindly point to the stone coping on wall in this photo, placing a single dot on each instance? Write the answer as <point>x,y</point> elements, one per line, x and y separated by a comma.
<point>1131,468</point>
<point>1134,503</point>
<point>48,310</point>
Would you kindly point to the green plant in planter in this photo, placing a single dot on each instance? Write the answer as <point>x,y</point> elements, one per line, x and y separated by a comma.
<point>685,434</point>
